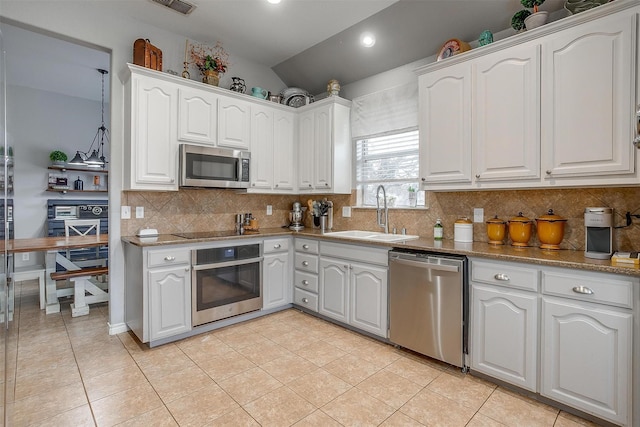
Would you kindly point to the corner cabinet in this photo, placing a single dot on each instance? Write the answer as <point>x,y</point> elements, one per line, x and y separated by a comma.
<point>157,292</point>
<point>151,119</point>
<point>324,147</point>
<point>523,113</point>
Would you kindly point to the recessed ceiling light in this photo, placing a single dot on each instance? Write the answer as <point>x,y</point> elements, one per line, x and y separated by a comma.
<point>367,39</point>
<point>274,1</point>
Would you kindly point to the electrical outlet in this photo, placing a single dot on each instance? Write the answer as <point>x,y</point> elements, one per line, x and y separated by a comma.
<point>125,212</point>
<point>478,215</point>
<point>25,256</point>
<point>269,210</point>
<point>139,211</point>
<point>346,211</point>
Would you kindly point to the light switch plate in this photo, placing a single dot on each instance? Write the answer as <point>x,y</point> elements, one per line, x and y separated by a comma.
<point>269,210</point>
<point>478,215</point>
<point>139,211</point>
<point>346,211</point>
<point>125,212</point>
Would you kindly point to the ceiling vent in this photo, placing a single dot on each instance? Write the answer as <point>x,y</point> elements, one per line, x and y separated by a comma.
<point>179,6</point>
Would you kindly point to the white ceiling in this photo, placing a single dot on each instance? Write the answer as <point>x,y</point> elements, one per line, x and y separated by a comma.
<point>306,42</point>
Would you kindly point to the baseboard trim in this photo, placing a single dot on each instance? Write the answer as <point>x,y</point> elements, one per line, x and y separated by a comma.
<point>117,328</point>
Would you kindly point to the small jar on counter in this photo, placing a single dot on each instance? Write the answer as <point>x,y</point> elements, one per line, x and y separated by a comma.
<point>463,230</point>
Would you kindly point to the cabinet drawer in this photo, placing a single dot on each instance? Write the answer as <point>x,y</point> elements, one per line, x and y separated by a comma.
<point>504,274</point>
<point>307,281</point>
<point>600,288</point>
<point>307,263</point>
<point>305,299</point>
<point>168,257</point>
<point>307,246</point>
<point>276,245</point>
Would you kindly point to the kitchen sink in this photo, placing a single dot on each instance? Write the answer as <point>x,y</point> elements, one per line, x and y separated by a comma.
<point>371,236</point>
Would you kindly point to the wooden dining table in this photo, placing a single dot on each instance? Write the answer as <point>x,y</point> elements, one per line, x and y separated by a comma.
<point>52,246</point>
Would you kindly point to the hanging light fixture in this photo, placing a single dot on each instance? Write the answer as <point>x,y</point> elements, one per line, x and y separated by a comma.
<point>96,159</point>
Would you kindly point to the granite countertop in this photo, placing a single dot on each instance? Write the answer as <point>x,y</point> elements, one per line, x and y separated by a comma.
<point>533,255</point>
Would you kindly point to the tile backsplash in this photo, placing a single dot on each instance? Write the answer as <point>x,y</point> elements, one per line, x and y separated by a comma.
<point>212,209</point>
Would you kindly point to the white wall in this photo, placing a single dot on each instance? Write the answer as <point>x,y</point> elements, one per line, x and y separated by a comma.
<point>89,23</point>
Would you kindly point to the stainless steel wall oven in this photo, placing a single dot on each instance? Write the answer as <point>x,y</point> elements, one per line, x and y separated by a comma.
<point>226,281</point>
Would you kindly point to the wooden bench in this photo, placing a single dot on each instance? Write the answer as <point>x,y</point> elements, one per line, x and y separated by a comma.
<point>82,284</point>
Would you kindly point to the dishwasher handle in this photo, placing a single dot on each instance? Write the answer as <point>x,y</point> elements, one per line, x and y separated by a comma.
<point>426,265</point>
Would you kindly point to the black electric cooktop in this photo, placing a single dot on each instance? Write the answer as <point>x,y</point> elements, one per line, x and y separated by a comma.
<point>206,234</point>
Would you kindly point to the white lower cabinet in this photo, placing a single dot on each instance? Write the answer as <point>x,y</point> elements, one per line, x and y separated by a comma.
<point>353,286</point>
<point>276,274</point>
<point>505,330</point>
<point>157,291</point>
<point>582,320</point>
<point>169,301</point>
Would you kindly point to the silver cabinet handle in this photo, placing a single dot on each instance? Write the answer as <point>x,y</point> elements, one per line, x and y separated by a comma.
<point>305,300</point>
<point>305,263</point>
<point>582,290</point>
<point>276,246</point>
<point>305,246</point>
<point>186,269</point>
<point>169,258</point>
<point>548,172</point>
<point>423,179</point>
<point>276,185</point>
<point>477,176</point>
<point>309,185</point>
<point>326,184</point>
<point>305,282</point>
<point>502,277</point>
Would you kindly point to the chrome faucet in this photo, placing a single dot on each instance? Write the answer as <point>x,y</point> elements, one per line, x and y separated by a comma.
<point>384,225</point>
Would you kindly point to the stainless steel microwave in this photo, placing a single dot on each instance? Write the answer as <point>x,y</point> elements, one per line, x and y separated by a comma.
<point>213,167</point>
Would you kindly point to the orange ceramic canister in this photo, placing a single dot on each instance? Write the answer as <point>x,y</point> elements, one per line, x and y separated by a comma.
<point>520,230</point>
<point>496,230</point>
<point>550,230</point>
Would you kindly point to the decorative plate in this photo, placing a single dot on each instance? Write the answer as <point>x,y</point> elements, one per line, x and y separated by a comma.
<point>452,47</point>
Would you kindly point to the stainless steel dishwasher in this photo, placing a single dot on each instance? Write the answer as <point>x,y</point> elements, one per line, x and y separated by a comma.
<point>428,304</point>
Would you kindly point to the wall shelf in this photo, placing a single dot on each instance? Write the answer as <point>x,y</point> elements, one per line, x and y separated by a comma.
<point>77,169</point>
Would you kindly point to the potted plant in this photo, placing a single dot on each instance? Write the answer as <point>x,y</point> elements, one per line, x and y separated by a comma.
<point>413,197</point>
<point>58,157</point>
<point>210,61</point>
<point>525,18</point>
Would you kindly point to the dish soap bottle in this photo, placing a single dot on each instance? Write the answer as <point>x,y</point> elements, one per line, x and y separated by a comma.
<point>438,230</point>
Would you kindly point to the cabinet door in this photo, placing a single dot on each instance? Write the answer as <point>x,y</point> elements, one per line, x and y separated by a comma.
<point>588,97</point>
<point>323,147</point>
<point>445,125</point>
<point>504,334</point>
<point>234,119</point>
<point>506,119</point>
<point>305,151</point>
<point>334,289</point>
<point>586,357</point>
<point>262,153</point>
<point>169,301</point>
<point>276,280</point>
<point>283,150</point>
<point>154,151</point>
<point>368,299</point>
<point>197,116</point>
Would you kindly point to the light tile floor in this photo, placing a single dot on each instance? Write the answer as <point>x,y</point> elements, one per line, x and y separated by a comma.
<point>287,368</point>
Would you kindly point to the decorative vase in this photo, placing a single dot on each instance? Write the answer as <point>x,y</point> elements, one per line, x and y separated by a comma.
<point>211,77</point>
<point>238,85</point>
<point>536,20</point>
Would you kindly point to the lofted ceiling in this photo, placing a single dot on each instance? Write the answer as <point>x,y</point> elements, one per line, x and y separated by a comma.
<point>306,42</point>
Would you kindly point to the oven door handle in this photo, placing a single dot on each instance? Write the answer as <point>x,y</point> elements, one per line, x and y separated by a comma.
<point>227,263</point>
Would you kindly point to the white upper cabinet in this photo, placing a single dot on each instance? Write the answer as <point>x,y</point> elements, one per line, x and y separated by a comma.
<point>506,114</point>
<point>234,118</point>
<point>324,147</point>
<point>445,126</point>
<point>555,106</point>
<point>589,93</point>
<point>151,139</point>
<point>197,116</point>
<point>261,147</point>
<point>284,131</point>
